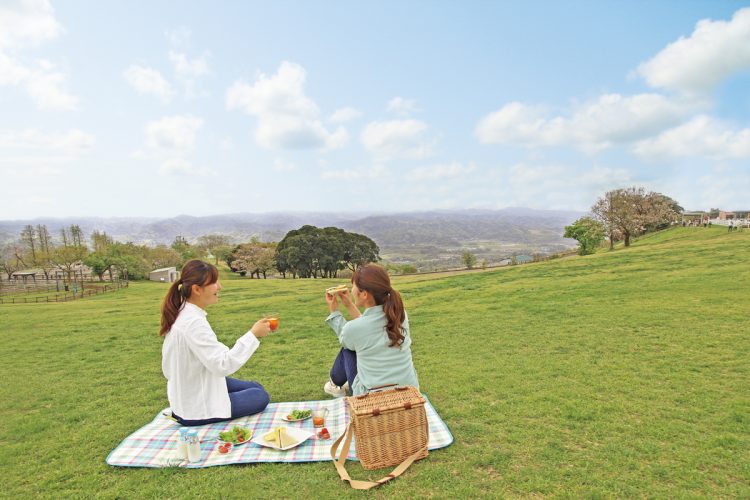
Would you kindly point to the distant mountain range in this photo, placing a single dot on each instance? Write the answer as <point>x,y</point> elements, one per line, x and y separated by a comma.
<point>431,240</point>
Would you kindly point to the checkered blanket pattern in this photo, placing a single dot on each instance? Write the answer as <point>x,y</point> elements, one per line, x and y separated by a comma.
<point>155,444</point>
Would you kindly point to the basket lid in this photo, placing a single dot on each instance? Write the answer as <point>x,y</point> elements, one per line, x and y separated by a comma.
<point>392,399</point>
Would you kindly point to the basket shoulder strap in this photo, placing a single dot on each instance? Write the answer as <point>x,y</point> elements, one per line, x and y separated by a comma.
<point>364,485</point>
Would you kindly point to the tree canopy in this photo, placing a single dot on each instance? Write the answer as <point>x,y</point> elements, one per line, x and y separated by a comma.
<point>589,233</point>
<point>254,258</point>
<point>312,252</point>
<point>631,211</point>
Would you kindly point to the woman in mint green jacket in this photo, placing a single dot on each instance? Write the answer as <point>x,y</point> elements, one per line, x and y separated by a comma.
<point>375,344</point>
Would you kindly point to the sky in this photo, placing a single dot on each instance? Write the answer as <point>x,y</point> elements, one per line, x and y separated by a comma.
<point>156,108</point>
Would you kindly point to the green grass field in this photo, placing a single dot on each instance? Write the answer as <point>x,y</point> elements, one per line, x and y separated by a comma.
<point>621,374</point>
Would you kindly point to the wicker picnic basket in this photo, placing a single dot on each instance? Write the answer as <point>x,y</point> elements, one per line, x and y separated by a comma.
<point>390,427</point>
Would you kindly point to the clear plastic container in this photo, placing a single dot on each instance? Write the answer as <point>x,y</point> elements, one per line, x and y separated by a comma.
<point>182,451</point>
<point>193,446</point>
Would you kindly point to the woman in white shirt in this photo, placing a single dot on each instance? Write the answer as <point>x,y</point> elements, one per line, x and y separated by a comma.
<point>197,366</point>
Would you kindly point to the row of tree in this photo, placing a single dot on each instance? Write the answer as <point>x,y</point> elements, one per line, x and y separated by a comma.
<point>35,249</point>
<point>620,215</point>
<point>307,252</point>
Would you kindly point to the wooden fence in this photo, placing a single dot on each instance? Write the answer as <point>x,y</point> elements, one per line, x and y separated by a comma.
<point>88,292</point>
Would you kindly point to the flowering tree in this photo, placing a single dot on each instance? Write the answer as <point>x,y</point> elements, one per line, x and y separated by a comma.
<point>631,211</point>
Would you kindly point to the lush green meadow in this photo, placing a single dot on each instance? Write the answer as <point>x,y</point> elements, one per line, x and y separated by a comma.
<point>621,374</point>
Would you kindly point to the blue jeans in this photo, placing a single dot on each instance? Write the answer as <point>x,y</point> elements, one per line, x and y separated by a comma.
<point>344,368</point>
<point>247,398</point>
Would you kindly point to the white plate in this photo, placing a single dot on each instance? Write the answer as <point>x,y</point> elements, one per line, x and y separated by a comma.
<point>220,441</point>
<point>299,436</point>
<point>295,419</point>
<point>252,432</point>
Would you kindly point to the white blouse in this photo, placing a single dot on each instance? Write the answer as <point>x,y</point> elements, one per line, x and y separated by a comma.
<point>195,364</point>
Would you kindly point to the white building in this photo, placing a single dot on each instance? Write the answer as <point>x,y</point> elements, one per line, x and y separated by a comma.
<point>167,275</point>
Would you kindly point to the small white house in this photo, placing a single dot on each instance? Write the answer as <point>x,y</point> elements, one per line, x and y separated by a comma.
<point>167,275</point>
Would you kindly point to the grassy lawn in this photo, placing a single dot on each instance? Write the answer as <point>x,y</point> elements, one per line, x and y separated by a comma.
<point>621,374</point>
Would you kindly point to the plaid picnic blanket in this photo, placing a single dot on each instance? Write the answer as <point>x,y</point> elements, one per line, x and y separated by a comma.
<point>155,444</point>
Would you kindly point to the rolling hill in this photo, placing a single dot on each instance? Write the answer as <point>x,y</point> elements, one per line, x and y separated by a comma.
<point>431,240</point>
<point>621,374</point>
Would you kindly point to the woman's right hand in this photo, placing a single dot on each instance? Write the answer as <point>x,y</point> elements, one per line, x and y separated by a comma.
<point>261,328</point>
<point>332,301</point>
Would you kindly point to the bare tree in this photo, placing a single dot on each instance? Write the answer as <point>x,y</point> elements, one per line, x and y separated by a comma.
<point>28,237</point>
<point>9,258</point>
<point>72,252</point>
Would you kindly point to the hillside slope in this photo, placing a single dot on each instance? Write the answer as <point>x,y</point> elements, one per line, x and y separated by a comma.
<point>621,374</point>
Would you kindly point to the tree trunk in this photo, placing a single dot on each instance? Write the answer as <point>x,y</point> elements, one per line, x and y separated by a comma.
<point>627,239</point>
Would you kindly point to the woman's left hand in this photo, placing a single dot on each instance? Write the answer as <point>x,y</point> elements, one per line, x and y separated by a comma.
<point>346,299</point>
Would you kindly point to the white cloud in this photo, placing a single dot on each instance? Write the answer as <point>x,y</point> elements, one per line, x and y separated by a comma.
<point>696,64</point>
<point>24,24</point>
<point>183,167</point>
<point>174,132</point>
<point>189,68</point>
<point>722,189</point>
<point>283,166</point>
<point>402,106</point>
<point>294,132</point>
<point>557,186</point>
<point>438,172</point>
<point>702,136</point>
<point>610,120</point>
<point>287,118</point>
<point>148,81</point>
<point>70,142</point>
<point>348,174</point>
<point>397,138</point>
<point>12,73</point>
<point>344,115</point>
<point>179,37</point>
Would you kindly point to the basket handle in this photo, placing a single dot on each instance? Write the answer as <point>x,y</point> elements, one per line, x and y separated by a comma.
<point>364,485</point>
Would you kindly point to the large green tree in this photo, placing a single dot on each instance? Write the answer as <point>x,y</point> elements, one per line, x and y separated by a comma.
<point>589,233</point>
<point>311,252</point>
<point>186,250</point>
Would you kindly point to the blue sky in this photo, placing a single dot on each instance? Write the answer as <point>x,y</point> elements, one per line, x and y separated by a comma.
<point>147,109</point>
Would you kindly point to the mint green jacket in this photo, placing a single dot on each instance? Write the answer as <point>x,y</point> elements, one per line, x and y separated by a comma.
<point>377,364</point>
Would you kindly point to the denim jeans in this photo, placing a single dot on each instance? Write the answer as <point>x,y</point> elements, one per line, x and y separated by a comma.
<point>344,368</point>
<point>247,398</point>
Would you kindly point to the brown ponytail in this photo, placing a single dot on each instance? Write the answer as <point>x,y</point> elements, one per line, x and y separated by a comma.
<point>194,272</point>
<point>375,280</point>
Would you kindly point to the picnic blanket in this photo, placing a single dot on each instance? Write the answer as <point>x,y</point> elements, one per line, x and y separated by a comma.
<point>155,444</point>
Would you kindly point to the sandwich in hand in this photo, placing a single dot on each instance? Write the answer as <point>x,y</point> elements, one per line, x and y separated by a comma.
<point>336,289</point>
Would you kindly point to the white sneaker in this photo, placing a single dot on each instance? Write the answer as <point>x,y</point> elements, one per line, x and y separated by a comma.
<point>334,390</point>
